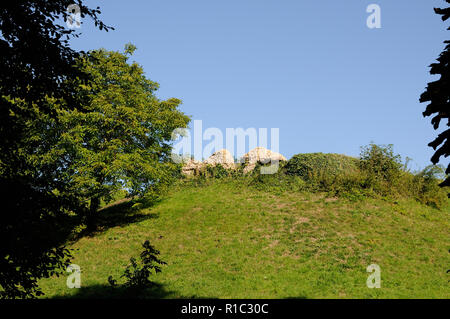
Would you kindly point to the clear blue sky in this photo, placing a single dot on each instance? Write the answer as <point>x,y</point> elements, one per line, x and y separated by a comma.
<point>309,67</point>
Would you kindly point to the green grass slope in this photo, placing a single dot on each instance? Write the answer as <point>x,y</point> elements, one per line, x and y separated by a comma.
<point>226,240</point>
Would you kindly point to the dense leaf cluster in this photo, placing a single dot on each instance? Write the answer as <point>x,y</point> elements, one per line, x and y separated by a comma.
<point>438,94</point>
<point>35,61</point>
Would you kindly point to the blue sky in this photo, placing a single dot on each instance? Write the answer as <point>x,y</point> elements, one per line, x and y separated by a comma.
<point>311,68</point>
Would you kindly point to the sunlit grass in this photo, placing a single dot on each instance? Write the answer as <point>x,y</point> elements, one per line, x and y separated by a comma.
<point>226,240</point>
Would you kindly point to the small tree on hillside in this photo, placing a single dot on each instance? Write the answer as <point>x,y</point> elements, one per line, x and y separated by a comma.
<point>122,137</point>
<point>438,94</point>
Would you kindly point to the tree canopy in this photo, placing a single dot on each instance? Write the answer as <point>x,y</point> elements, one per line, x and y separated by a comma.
<point>120,139</point>
<point>438,94</point>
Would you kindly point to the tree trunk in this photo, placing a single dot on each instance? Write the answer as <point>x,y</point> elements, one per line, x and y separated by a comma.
<point>92,217</point>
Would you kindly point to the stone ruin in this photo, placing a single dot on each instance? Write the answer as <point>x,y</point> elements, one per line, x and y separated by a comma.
<point>259,154</point>
<point>223,157</point>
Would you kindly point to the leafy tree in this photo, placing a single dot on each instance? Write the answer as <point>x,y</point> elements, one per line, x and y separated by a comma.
<point>438,94</point>
<point>121,138</point>
<point>35,60</point>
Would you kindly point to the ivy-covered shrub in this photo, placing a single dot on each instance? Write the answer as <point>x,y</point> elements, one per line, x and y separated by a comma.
<point>314,166</point>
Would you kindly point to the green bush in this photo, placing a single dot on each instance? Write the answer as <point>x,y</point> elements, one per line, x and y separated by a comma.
<point>217,171</point>
<point>319,166</point>
<point>382,167</point>
<point>428,191</point>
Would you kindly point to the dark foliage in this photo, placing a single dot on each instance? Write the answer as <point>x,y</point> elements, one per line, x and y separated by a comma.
<point>32,233</point>
<point>438,94</point>
<point>35,60</point>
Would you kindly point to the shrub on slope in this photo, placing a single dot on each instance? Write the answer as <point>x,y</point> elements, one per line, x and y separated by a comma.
<point>310,166</point>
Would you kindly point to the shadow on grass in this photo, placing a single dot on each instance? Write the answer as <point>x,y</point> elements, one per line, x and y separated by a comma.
<point>120,213</point>
<point>157,291</point>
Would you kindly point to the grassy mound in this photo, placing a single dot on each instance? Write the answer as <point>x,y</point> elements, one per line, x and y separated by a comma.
<point>224,239</point>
